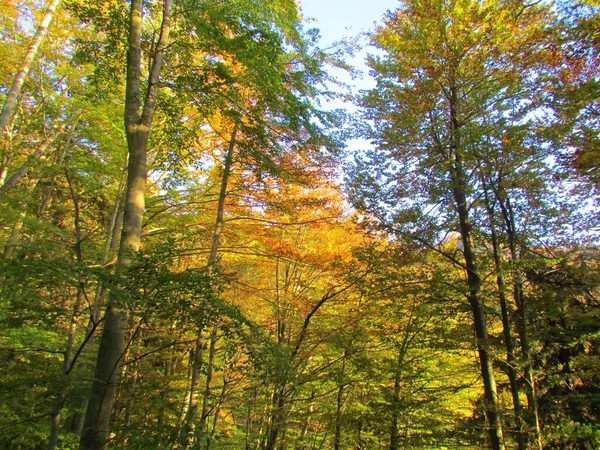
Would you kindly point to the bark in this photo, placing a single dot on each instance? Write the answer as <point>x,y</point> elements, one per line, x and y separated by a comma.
<point>112,239</point>
<point>279,393</point>
<point>137,128</point>
<point>459,191</point>
<point>309,411</point>
<point>191,398</point>
<point>212,350</point>
<point>337,439</point>
<point>277,417</point>
<point>10,103</point>
<point>190,407</point>
<point>76,312</point>
<point>521,322</point>
<point>13,239</point>
<point>212,257</point>
<point>110,247</point>
<point>508,341</point>
<point>395,428</point>
<point>38,155</point>
<point>222,395</point>
<point>250,418</point>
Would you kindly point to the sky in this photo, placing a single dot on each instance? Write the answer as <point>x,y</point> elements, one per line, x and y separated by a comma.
<point>337,19</point>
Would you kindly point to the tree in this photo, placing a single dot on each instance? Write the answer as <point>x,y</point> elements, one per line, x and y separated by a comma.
<point>137,129</point>
<point>8,107</point>
<point>445,65</point>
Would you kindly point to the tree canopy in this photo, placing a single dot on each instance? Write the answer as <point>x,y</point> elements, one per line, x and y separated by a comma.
<point>192,258</point>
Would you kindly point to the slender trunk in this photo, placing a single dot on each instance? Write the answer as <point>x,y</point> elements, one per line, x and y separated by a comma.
<point>395,428</point>
<point>192,396</point>
<point>137,128</point>
<point>283,437</point>
<point>521,322</point>
<point>13,239</point>
<point>13,93</point>
<point>309,411</point>
<point>38,155</point>
<point>67,365</point>
<point>508,341</point>
<point>459,191</point>
<point>250,417</point>
<point>212,350</point>
<point>337,439</point>
<point>220,401</point>
<point>212,257</point>
<point>190,407</point>
<point>277,417</point>
<point>111,242</point>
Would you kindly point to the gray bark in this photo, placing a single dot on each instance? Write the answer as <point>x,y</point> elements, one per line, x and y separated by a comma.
<point>192,395</point>
<point>10,103</point>
<point>459,191</point>
<point>39,154</point>
<point>508,341</point>
<point>67,365</point>
<point>137,128</point>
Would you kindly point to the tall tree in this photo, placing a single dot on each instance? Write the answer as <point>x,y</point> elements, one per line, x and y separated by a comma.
<point>138,123</point>
<point>445,64</point>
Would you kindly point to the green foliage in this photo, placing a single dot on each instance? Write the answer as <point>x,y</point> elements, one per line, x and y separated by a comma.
<point>330,330</point>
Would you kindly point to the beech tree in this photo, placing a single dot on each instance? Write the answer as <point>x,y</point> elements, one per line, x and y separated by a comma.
<point>444,65</point>
<point>182,269</point>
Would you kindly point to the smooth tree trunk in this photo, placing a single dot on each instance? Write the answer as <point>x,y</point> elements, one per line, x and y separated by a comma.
<point>511,361</point>
<point>309,412</point>
<point>521,316</point>
<point>280,393</point>
<point>191,400</point>
<point>137,128</point>
<point>395,425</point>
<point>337,438</point>
<point>38,155</point>
<point>277,417</point>
<point>212,351</point>
<point>12,95</point>
<point>76,312</point>
<point>458,179</point>
<point>13,240</point>
<point>218,404</point>
<point>111,243</point>
<point>190,406</point>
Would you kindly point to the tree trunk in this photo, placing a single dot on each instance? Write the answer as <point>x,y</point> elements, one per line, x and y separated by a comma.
<point>212,350</point>
<point>277,416</point>
<point>13,239</point>
<point>250,418</point>
<point>113,230</point>
<point>13,93</point>
<point>521,322</point>
<point>459,191</point>
<point>190,407</point>
<point>39,154</point>
<point>212,258</point>
<point>309,410</point>
<point>137,128</point>
<point>337,438</point>
<point>395,428</point>
<point>67,365</point>
<point>508,342</point>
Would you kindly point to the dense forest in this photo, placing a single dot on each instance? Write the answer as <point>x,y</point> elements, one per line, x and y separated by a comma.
<point>193,258</point>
